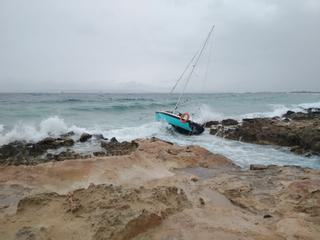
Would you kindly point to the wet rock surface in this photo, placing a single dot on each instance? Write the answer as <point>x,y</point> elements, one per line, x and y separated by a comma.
<point>85,137</point>
<point>229,122</point>
<point>298,130</point>
<point>21,152</point>
<point>309,113</point>
<point>30,153</point>
<point>211,123</point>
<point>114,148</point>
<point>64,155</point>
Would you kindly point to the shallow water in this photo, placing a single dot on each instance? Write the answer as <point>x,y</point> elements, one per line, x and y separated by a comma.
<point>130,116</point>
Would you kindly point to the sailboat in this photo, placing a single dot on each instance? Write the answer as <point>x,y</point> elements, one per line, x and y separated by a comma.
<point>182,122</point>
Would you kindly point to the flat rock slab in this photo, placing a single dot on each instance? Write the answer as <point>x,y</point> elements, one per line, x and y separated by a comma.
<point>159,191</point>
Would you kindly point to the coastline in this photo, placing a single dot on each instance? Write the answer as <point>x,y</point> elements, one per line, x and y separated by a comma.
<point>158,189</point>
<point>300,131</point>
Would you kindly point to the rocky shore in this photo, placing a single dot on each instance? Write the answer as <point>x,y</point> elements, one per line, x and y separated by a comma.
<point>60,148</point>
<point>300,131</point>
<point>151,189</point>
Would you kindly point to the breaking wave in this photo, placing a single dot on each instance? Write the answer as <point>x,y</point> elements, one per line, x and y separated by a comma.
<point>279,109</point>
<point>309,105</point>
<point>52,126</point>
<point>206,113</point>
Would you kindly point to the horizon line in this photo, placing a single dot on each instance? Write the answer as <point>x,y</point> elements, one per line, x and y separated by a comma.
<point>115,92</point>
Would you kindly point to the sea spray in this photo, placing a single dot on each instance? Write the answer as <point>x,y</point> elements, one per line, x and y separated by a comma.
<point>207,113</point>
<point>52,126</point>
<point>309,105</point>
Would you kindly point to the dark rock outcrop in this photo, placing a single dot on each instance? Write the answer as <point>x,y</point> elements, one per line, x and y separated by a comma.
<point>113,147</point>
<point>68,134</point>
<point>54,143</point>
<point>113,140</point>
<point>18,152</point>
<point>211,123</point>
<point>258,167</point>
<point>309,113</point>
<point>99,154</point>
<point>27,153</point>
<point>299,131</point>
<point>229,122</point>
<point>64,155</point>
<point>85,137</point>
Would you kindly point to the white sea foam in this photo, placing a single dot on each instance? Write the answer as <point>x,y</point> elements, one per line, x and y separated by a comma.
<point>309,105</point>
<point>206,113</point>
<point>52,126</point>
<point>142,131</point>
<point>280,109</point>
<point>242,153</point>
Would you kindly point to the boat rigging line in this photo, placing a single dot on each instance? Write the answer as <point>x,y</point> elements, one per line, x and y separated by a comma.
<point>192,69</point>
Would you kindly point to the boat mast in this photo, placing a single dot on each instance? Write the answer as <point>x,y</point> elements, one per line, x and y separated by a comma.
<point>193,67</point>
<point>182,74</point>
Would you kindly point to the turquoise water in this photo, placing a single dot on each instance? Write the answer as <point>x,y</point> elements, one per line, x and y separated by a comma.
<point>130,116</point>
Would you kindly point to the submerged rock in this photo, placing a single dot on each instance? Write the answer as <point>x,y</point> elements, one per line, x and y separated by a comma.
<point>99,137</point>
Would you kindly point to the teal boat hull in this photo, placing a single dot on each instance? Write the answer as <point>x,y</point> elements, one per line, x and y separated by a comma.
<point>188,127</point>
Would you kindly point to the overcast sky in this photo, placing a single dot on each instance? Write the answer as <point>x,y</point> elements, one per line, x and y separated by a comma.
<point>143,45</point>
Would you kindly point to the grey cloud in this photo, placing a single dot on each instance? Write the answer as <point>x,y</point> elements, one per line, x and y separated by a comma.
<point>259,45</point>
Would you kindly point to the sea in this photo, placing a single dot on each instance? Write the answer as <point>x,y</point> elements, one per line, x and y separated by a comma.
<point>33,116</point>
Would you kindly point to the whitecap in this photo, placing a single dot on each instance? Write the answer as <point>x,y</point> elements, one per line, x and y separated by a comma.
<point>310,105</point>
<point>52,126</point>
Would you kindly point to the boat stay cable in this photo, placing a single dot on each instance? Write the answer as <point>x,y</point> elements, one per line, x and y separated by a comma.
<point>193,68</point>
<point>182,74</point>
